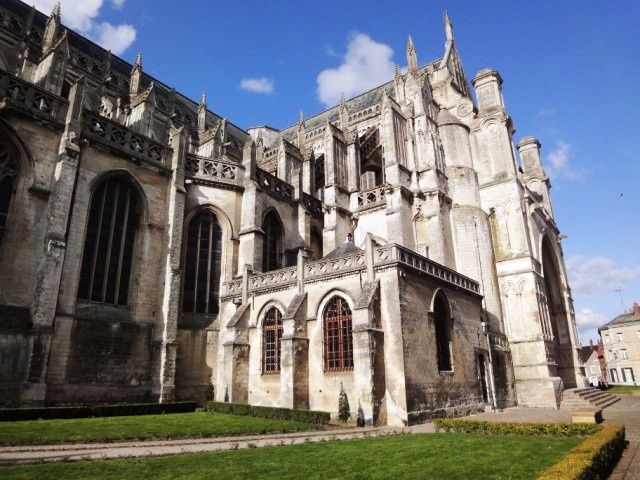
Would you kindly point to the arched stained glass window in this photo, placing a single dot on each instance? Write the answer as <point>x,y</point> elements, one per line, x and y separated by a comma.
<point>271,337</point>
<point>202,268</point>
<point>8,174</point>
<point>338,337</point>
<point>105,272</point>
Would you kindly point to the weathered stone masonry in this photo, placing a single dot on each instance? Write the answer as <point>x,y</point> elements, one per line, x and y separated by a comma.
<point>397,245</point>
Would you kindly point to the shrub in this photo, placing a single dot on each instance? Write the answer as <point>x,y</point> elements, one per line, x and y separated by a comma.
<point>508,428</point>
<point>344,409</point>
<point>47,413</point>
<point>305,416</point>
<point>593,458</point>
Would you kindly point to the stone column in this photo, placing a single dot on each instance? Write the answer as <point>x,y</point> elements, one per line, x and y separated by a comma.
<point>363,371</point>
<point>251,234</point>
<point>45,300</point>
<point>237,358</point>
<point>170,296</point>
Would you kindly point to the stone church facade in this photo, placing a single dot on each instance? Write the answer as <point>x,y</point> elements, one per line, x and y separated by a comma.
<point>397,246</point>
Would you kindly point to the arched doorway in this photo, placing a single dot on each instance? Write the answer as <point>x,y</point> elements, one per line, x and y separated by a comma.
<point>559,347</point>
<point>443,328</point>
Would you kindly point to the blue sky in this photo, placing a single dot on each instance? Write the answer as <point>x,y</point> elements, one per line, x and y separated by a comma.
<point>570,73</point>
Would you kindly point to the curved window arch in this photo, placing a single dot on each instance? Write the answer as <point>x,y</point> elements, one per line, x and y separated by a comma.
<point>338,335</point>
<point>271,337</point>
<point>8,175</point>
<point>272,245</point>
<point>442,320</point>
<point>114,214</point>
<point>202,266</point>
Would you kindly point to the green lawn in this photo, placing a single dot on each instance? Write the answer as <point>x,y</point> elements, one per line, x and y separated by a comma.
<point>438,456</point>
<point>617,389</point>
<point>109,429</point>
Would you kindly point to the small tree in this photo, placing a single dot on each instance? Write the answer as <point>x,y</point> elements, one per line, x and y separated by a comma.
<point>360,419</point>
<point>344,410</point>
<point>226,395</point>
<point>209,392</point>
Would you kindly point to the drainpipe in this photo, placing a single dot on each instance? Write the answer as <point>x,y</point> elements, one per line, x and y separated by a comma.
<point>492,385</point>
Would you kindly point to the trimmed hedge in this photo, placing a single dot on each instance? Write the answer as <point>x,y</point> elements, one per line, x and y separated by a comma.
<point>593,458</point>
<point>513,428</point>
<point>48,413</point>
<point>305,416</point>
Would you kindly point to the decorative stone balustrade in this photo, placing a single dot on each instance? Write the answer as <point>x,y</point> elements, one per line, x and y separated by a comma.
<point>326,268</point>
<point>312,205</point>
<point>30,98</point>
<point>371,198</point>
<point>124,140</point>
<point>274,186</point>
<point>281,278</point>
<point>204,170</point>
<point>397,254</point>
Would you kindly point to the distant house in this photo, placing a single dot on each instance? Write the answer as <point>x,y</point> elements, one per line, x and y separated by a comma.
<point>595,363</point>
<point>621,342</point>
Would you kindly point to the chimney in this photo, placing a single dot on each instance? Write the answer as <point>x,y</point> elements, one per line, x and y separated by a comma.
<point>635,309</point>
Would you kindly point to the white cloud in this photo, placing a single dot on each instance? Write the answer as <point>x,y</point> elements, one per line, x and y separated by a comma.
<point>365,65</point>
<point>115,38</point>
<point>559,164</point>
<point>81,15</point>
<point>588,319</point>
<point>597,274</point>
<point>257,85</point>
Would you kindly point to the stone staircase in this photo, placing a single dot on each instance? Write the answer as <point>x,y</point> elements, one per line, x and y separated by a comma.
<point>587,397</point>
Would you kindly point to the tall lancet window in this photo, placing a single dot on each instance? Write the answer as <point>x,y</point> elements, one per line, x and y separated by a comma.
<point>8,174</point>
<point>202,266</point>
<point>338,337</point>
<point>272,245</point>
<point>105,273</point>
<point>271,337</point>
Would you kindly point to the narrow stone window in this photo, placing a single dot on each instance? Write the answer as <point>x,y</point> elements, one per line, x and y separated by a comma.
<point>271,336</point>
<point>319,178</point>
<point>442,319</point>
<point>202,266</point>
<point>338,337</point>
<point>105,272</point>
<point>272,245</point>
<point>8,173</point>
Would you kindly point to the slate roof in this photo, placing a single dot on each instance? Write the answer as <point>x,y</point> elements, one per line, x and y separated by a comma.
<point>625,318</point>
<point>118,64</point>
<point>345,248</point>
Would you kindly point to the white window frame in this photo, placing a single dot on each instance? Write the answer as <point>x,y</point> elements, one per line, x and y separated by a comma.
<point>624,355</point>
<point>619,337</point>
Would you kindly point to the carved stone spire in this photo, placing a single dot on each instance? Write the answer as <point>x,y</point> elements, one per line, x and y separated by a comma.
<point>301,132</point>
<point>202,113</point>
<point>412,57</point>
<point>448,27</point>
<point>344,113</point>
<point>398,84</point>
<point>51,29</point>
<point>136,75</point>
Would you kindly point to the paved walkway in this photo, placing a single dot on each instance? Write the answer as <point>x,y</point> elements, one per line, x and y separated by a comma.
<point>626,411</point>
<point>97,451</point>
